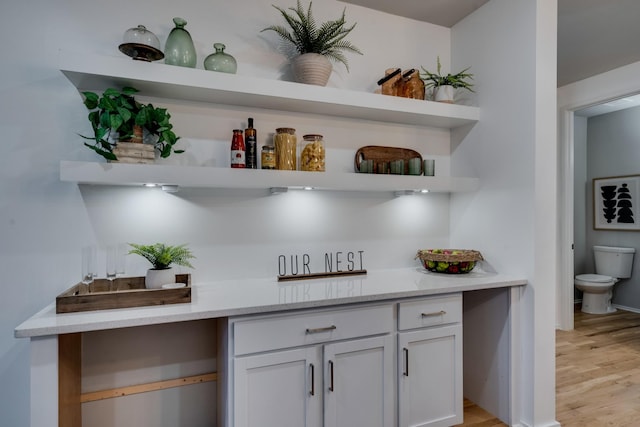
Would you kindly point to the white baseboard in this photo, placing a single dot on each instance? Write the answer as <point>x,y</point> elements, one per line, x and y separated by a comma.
<point>621,307</point>
<point>631,309</point>
<point>551,424</point>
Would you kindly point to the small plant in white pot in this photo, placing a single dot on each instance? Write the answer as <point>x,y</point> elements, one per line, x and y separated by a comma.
<point>444,86</point>
<point>315,44</point>
<point>162,257</point>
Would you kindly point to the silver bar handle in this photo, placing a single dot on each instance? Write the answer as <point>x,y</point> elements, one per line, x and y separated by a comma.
<point>331,374</point>
<point>312,392</point>
<point>406,362</point>
<point>318,330</point>
<point>435,313</point>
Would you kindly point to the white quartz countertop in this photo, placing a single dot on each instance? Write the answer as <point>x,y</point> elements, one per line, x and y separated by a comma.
<point>252,296</point>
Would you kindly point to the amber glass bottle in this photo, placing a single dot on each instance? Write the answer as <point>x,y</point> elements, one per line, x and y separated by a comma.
<point>412,85</point>
<point>251,146</point>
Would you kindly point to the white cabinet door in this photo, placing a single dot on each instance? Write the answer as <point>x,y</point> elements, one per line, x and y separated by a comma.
<point>359,385</point>
<point>280,389</point>
<point>430,377</point>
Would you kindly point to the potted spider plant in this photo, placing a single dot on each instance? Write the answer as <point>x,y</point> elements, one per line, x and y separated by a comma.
<point>119,122</point>
<point>162,257</point>
<point>316,45</point>
<point>444,86</point>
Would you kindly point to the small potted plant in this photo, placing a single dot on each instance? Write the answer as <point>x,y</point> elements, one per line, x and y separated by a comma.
<point>162,257</point>
<point>119,121</point>
<point>444,86</point>
<point>315,44</point>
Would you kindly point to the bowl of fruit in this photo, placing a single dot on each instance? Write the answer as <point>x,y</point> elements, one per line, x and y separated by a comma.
<point>449,261</point>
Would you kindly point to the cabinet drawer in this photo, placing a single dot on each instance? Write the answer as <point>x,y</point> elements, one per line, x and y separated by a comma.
<point>431,311</point>
<point>265,333</point>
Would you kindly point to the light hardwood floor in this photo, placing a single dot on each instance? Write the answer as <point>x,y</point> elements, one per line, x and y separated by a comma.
<point>598,371</point>
<point>597,374</point>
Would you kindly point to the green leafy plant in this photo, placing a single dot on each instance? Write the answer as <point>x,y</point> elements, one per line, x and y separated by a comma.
<point>306,36</point>
<point>161,256</point>
<point>117,113</point>
<point>458,80</point>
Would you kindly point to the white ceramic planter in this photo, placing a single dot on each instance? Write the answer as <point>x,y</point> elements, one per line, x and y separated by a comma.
<point>156,278</point>
<point>444,94</point>
<point>311,68</point>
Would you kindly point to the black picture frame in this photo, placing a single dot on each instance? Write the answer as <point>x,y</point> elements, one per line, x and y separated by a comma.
<point>616,203</point>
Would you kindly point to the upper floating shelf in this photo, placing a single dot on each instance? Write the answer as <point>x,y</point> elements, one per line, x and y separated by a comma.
<point>99,72</point>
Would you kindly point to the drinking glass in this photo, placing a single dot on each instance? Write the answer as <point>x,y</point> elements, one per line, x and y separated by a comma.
<point>123,249</point>
<point>115,261</point>
<point>112,257</point>
<point>88,264</point>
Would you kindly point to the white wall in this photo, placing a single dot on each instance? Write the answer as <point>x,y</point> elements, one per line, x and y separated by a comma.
<point>512,47</point>
<point>44,222</point>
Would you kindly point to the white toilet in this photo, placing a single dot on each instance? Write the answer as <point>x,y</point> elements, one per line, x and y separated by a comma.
<point>612,264</point>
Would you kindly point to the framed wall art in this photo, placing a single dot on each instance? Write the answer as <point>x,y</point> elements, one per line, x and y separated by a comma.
<point>616,203</point>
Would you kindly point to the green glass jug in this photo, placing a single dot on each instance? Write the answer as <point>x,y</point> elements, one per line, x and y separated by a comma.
<point>220,61</point>
<point>179,49</point>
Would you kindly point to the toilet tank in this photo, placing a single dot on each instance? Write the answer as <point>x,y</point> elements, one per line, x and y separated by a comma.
<point>613,261</point>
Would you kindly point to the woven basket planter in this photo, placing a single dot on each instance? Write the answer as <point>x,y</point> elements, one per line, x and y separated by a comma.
<point>445,261</point>
<point>311,68</point>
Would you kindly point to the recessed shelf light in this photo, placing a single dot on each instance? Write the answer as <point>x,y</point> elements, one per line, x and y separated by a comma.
<point>404,193</point>
<point>278,190</point>
<point>170,188</point>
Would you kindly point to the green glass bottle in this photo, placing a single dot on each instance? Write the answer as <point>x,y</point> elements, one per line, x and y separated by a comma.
<point>179,49</point>
<point>220,61</point>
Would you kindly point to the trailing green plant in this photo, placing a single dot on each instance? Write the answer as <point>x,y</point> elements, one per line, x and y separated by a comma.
<point>161,256</point>
<point>458,80</point>
<point>115,113</point>
<point>306,36</point>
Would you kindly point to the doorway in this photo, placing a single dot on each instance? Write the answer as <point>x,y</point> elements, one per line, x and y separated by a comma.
<point>594,91</point>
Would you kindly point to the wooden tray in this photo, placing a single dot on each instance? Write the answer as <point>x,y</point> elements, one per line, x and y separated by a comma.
<point>126,292</point>
<point>380,154</point>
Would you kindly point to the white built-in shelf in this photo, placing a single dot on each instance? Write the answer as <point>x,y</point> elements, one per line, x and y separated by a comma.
<point>99,72</point>
<point>123,174</point>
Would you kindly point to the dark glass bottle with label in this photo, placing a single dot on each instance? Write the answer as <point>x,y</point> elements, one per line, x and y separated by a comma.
<point>251,146</point>
<point>237,150</point>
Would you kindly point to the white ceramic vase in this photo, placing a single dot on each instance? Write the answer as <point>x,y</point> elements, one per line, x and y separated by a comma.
<point>444,94</point>
<point>158,277</point>
<point>311,68</point>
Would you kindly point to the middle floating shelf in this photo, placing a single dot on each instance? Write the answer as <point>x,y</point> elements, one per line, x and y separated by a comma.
<point>211,177</point>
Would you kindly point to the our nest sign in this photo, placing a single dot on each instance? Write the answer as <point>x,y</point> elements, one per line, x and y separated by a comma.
<point>338,263</point>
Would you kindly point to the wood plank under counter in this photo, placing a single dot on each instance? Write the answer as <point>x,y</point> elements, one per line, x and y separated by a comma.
<point>253,296</point>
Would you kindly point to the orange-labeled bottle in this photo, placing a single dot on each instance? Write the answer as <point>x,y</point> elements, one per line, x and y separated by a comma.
<point>238,150</point>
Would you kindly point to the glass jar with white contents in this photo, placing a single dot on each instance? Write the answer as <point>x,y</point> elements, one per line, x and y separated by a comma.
<point>312,153</point>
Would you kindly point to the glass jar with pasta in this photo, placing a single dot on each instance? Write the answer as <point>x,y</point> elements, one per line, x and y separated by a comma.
<point>286,150</point>
<point>312,154</point>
